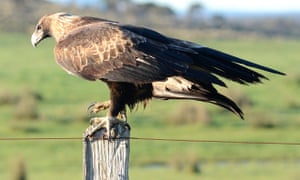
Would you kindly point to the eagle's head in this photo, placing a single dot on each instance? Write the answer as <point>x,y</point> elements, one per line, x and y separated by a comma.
<point>45,28</point>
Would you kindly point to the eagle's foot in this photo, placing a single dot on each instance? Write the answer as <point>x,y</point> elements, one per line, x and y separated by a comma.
<point>101,106</point>
<point>98,106</point>
<point>111,125</point>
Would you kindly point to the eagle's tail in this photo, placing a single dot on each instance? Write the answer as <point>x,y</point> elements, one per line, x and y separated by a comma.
<point>179,88</point>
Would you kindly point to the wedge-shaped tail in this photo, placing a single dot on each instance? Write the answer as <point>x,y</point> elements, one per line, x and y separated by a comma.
<point>180,88</point>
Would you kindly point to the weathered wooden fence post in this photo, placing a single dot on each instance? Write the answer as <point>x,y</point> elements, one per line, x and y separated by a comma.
<point>106,159</point>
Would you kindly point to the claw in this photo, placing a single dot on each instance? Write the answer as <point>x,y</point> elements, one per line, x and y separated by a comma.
<point>107,123</point>
<point>98,106</point>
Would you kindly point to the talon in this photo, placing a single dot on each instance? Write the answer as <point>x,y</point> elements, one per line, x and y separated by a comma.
<point>106,123</point>
<point>98,106</point>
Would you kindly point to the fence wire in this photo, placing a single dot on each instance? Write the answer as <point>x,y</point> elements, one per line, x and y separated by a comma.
<point>153,139</point>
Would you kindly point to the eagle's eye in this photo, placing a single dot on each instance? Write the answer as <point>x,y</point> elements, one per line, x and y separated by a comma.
<point>38,27</point>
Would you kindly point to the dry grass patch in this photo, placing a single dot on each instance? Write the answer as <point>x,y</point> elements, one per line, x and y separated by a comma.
<point>187,113</point>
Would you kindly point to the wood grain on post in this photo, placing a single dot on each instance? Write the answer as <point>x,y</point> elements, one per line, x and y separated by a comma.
<point>106,159</point>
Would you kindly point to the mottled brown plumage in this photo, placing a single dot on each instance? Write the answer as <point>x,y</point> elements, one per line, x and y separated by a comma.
<point>138,63</point>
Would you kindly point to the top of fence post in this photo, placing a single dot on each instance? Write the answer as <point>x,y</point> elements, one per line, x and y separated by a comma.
<point>105,159</point>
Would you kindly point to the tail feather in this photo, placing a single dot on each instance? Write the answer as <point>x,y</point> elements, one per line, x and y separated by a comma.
<point>180,88</point>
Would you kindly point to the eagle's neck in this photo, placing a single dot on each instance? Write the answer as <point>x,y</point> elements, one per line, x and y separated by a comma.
<point>61,26</point>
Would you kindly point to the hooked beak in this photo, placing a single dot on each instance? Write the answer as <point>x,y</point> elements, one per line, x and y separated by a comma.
<point>35,39</point>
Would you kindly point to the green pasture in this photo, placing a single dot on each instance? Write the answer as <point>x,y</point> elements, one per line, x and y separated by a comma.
<point>31,81</point>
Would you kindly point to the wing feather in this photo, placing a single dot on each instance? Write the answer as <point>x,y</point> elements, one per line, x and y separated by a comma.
<point>124,53</point>
<point>106,51</point>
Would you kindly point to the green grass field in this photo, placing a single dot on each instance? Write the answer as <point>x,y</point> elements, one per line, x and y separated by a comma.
<point>273,115</point>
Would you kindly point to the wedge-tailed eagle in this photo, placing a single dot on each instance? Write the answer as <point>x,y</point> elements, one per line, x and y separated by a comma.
<point>138,63</point>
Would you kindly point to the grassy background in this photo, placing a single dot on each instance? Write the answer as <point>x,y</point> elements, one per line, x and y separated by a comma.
<point>38,99</point>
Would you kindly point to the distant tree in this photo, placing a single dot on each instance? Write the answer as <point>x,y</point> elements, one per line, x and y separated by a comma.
<point>194,15</point>
<point>117,6</point>
<point>152,14</point>
<point>195,10</point>
<point>21,2</point>
<point>148,8</point>
<point>218,21</point>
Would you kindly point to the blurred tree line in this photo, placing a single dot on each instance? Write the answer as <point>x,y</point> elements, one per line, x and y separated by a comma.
<point>22,15</point>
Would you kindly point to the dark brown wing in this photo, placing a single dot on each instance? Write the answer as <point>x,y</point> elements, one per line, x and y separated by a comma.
<point>204,61</point>
<point>124,53</point>
<point>106,51</point>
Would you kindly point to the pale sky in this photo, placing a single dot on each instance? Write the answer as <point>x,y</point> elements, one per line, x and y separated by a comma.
<point>236,5</point>
<point>227,6</point>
